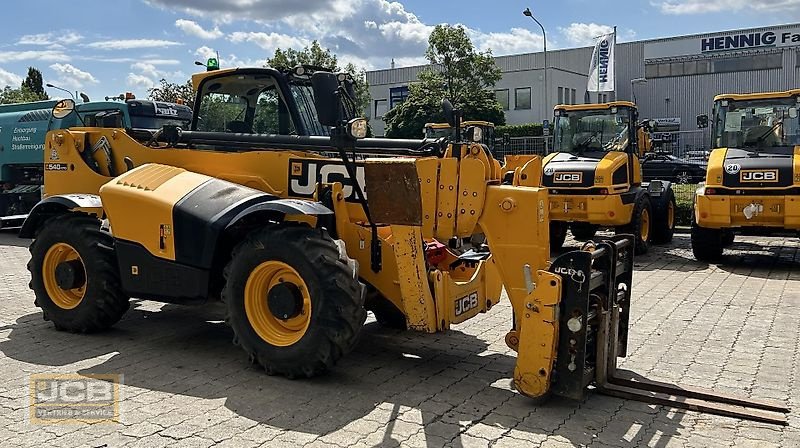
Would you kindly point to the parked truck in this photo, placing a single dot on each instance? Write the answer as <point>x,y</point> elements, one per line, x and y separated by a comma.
<point>22,137</point>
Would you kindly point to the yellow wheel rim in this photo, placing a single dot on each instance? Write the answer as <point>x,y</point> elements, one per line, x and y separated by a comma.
<point>670,214</point>
<point>63,298</point>
<point>645,228</point>
<point>270,327</point>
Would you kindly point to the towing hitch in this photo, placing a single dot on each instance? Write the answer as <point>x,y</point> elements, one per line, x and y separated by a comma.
<point>594,316</point>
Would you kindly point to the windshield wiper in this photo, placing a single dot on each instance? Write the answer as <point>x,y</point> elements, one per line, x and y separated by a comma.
<point>763,136</point>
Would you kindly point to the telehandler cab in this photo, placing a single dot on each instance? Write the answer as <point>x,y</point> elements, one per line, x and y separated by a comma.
<point>298,245</point>
<point>595,177</point>
<point>752,183</point>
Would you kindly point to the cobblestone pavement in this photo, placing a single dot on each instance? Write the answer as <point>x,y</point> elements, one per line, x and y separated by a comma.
<point>732,327</point>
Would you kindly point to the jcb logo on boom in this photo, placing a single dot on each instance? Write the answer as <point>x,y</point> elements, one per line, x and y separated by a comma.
<point>758,176</point>
<point>567,178</point>
<point>304,175</point>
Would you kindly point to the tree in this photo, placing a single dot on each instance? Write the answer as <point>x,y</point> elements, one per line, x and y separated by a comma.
<point>457,72</point>
<point>33,82</point>
<point>322,57</point>
<point>170,92</point>
<point>10,95</point>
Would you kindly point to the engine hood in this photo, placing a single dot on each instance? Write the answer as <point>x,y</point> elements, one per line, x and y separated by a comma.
<point>743,168</point>
<point>575,171</point>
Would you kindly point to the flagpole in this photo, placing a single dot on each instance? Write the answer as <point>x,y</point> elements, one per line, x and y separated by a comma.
<point>614,55</point>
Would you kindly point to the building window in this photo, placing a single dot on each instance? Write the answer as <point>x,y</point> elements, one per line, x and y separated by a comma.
<point>522,97</point>
<point>502,97</point>
<point>397,95</point>
<point>381,107</point>
<point>574,97</point>
<point>763,61</point>
<point>561,95</point>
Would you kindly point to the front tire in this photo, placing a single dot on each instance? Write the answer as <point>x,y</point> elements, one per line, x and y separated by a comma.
<point>707,244</point>
<point>664,225</point>
<point>75,276</point>
<point>294,300</point>
<point>641,225</point>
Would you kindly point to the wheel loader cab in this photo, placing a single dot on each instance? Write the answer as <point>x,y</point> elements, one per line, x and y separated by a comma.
<point>595,178</point>
<point>753,173</point>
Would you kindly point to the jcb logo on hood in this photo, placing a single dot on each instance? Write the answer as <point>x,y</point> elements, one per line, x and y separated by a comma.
<point>567,178</point>
<point>758,176</point>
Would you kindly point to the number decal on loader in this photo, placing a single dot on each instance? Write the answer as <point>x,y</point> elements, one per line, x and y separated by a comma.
<point>304,175</point>
<point>466,303</point>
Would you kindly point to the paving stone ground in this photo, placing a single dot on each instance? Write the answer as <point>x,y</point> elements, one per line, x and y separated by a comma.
<point>731,326</point>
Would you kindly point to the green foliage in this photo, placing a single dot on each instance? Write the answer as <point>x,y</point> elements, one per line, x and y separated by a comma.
<point>170,92</point>
<point>32,89</point>
<point>520,130</point>
<point>322,57</point>
<point>683,204</point>
<point>10,95</point>
<point>33,82</point>
<point>457,72</point>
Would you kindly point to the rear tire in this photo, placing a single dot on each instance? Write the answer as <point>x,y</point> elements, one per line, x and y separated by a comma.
<point>75,276</point>
<point>294,300</point>
<point>558,234</point>
<point>664,225</point>
<point>707,244</point>
<point>728,237</point>
<point>583,231</point>
<point>641,225</point>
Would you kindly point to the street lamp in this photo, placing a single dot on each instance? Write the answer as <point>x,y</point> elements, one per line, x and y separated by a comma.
<point>633,89</point>
<point>59,88</point>
<point>528,13</point>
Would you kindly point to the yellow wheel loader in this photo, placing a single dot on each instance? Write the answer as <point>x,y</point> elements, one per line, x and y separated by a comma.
<point>244,208</point>
<point>752,183</point>
<point>595,177</point>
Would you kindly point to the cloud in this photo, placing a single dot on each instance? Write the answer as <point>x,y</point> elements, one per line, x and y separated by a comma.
<point>193,29</point>
<point>51,39</point>
<point>229,10</point>
<point>678,7</point>
<point>129,44</point>
<point>268,41</point>
<point>519,40</point>
<point>584,34</point>
<point>71,76</point>
<point>9,79</point>
<point>140,81</point>
<point>33,55</point>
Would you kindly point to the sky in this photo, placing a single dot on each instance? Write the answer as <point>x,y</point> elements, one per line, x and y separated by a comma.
<point>105,48</point>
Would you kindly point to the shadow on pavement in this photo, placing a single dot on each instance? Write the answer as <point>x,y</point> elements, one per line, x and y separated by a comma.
<point>439,380</point>
<point>11,238</point>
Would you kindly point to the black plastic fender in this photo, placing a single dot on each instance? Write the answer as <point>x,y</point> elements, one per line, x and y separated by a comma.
<point>56,205</point>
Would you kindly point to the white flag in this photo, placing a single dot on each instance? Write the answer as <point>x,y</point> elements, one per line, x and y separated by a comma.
<point>601,69</point>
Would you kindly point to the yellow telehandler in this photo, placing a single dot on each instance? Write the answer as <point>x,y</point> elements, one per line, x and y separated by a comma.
<point>242,207</point>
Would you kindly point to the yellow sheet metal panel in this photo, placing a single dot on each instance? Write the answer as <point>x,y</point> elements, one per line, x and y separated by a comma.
<point>538,336</point>
<point>139,205</point>
<point>428,173</point>
<point>715,167</point>
<point>471,196</point>
<point>417,301</point>
<point>446,199</point>
<point>610,162</point>
<point>757,95</point>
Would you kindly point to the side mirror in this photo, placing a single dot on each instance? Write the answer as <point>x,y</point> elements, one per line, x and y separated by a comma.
<point>702,121</point>
<point>326,98</point>
<point>63,108</point>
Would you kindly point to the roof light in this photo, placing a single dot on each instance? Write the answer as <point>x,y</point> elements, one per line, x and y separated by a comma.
<point>212,64</point>
<point>130,96</point>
